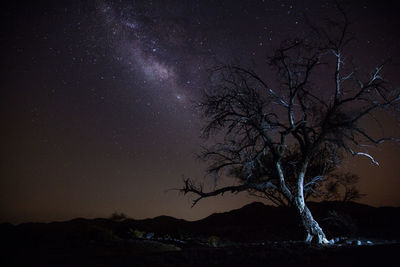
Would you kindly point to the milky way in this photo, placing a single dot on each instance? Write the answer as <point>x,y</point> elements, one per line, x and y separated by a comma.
<point>150,45</point>
<point>97,98</point>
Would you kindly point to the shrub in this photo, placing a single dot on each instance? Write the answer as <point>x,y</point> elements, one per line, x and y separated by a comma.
<point>339,224</point>
<point>137,233</point>
<point>118,216</point>
<point>213,241</point>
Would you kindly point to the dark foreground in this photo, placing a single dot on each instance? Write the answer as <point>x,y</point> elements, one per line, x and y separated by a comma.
<point>124,254</point>
<point>253,235</point>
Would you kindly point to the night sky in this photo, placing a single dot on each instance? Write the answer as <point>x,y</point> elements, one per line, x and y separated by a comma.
<point>97,99</point>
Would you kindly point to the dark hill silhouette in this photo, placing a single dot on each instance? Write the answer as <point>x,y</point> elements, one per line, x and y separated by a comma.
<point>161,223</point>
<point>365,220</point>
<point>245,236</point>
<point>251,223</point>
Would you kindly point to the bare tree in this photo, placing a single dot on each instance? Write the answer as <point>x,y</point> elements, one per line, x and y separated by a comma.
<point>321,182</point>
<point>319,178</point>
<point>258,123</point>
<point>341,187</point>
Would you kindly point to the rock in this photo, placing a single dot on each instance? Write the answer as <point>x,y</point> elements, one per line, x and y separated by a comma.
<point>149,235</point>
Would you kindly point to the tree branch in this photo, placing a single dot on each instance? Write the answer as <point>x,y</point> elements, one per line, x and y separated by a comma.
<point>189,187</point>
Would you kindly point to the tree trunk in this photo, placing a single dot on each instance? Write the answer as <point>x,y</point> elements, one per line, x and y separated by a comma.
<point>313,230</point>
<point>311,226</point>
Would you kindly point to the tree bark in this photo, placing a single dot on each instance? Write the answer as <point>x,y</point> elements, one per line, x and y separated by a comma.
<point>311,226</point>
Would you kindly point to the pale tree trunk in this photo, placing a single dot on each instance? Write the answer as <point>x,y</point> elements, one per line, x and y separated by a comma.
<point>313,230</point>
<point>310,225</point>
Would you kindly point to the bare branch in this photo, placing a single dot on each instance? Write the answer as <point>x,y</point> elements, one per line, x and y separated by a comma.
<point>189,187</point>
<point>283,143</point>
<point>367,155</point>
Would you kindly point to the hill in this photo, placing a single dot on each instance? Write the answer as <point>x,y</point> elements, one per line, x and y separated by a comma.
<point>253,222</point>
<point>250,228</point>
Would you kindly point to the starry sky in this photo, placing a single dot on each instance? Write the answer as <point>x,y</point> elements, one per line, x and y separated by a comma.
<point>97,99</point>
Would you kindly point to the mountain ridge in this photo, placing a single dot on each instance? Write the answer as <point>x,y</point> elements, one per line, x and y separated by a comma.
<point>252,222</point>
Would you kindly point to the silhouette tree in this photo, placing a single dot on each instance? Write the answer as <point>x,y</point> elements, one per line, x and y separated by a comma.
<point>341,187</point>
<point>275,138</point>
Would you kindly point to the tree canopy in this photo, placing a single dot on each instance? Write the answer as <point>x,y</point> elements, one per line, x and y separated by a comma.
<point>283,138</point>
